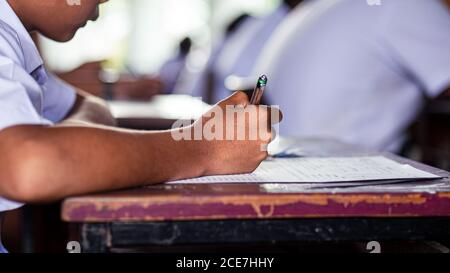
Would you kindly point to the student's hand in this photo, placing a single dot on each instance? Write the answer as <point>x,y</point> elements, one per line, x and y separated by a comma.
<point>89,110</point>
<point>242,144</point>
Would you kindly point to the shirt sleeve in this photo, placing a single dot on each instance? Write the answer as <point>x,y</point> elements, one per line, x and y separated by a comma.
<point>417,33</point>
<point>6,205</point>
<point>58,99</point>
<point>16,107</point>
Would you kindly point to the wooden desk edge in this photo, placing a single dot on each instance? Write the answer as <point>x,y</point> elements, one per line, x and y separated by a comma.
<point>191,203</point>
<point>248,206</point>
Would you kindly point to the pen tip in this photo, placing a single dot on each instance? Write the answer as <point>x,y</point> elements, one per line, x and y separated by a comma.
<point>262,80</point>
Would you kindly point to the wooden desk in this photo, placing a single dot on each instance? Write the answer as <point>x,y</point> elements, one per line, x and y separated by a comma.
<point>158,114</point>
<point>249,213</point>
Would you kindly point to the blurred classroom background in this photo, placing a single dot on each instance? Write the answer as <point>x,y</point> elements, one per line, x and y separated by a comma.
<point>139,49</point>
<point>208,48</point>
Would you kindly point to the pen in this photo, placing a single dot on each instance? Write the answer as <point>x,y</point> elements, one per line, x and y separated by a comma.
<point>259,90</point>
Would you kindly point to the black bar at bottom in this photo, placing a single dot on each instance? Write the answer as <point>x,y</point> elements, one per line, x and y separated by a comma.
<point>263,231</point>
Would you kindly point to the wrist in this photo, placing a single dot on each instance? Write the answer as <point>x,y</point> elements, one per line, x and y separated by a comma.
<point>194,156</point>
<point>197,157</point>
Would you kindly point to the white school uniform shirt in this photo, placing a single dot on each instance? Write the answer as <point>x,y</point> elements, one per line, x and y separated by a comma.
<point>242,49</point>
<point>195,83</point>
<point>358,73</point>
<point>170,72</point>
<point>28,94</point>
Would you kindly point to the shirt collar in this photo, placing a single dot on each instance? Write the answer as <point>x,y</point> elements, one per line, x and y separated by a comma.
<point>32,58</point>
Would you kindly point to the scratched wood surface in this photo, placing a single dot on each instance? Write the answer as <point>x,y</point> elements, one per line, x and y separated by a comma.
<point>269,201</point>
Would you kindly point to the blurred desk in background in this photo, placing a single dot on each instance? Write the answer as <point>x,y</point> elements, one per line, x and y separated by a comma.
<point>221,214</point>
<point>434,134</point>
<point>158,114</point>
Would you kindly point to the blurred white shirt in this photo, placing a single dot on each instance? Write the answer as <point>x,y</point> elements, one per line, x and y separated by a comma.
<point>357,73</point>
<point>170,72</point>
<point>241,51</point>
<point>195,83</point>
<point>28,94</point>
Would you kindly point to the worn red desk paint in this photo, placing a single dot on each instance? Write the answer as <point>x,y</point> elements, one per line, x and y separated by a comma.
<point>265,201</point>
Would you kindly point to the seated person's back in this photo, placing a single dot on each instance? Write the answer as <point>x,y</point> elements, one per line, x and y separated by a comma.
<point>358,73</point>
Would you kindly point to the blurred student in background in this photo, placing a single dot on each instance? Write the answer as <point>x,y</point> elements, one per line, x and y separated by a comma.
<point>170,70</point>
<point>197,83</point>
<point>358,73</point>
<point>112,85</point>
<point>240,51</point>
<point>93,78</point>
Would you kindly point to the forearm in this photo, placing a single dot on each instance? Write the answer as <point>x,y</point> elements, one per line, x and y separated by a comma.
<point>83,160</point>
<point>39,164</point>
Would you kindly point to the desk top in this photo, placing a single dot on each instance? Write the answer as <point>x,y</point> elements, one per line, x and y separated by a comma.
<point>269,201</point>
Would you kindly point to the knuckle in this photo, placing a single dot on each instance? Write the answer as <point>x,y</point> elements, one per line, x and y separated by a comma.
<point>240,96</point>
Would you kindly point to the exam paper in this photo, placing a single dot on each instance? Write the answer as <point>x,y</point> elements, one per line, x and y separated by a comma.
<point>322,170</point>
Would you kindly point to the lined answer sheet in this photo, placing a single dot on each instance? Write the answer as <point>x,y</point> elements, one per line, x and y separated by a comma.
<point>322,170</point>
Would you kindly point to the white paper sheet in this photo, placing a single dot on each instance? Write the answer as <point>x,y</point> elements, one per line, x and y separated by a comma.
<point>322,170</point>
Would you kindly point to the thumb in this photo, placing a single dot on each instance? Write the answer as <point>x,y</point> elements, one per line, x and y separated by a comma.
<point>238,98</point>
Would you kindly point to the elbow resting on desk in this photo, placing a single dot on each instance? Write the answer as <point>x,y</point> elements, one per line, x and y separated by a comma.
<point>27,171</point>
